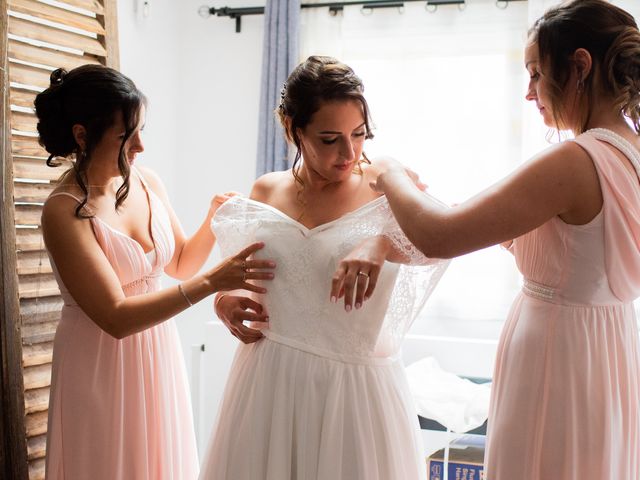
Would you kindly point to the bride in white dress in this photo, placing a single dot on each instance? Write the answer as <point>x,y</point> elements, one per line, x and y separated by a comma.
<point>322,395</point>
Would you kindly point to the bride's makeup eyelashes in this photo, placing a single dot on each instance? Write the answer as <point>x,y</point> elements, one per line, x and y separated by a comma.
<point>331,141</point>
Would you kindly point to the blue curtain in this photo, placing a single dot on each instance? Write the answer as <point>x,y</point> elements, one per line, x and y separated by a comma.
<point>280,56</point>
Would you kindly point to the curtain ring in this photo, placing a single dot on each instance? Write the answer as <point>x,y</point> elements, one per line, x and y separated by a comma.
<point>366,11</point>
<point>502,4</point>
<point>463,6</point>
<point>401,9</point>
<point>430,8</point>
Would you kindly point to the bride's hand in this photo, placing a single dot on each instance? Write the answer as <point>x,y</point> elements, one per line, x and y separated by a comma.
<point>233,272</point>
<point>390,166</point>
<point>358,272</point>
<point>234,310</point>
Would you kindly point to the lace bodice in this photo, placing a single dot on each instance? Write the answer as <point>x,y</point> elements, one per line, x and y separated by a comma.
<point>298,298</point>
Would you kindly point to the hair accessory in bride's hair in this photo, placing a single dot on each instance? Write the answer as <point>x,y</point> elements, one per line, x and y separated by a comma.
<point>283,93</point>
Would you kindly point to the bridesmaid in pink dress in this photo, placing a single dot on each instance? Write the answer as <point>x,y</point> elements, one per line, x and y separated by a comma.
<point>119,407</point>
<point>566,393</point>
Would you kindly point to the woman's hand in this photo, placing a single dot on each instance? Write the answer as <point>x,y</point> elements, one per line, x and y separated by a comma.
<point>390,166</point>
<point>217,200</point>
<point>358,272</point>
<point>233,272</point>
<point>234,310</point>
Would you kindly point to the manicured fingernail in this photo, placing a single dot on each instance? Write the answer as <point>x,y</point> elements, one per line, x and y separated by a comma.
<point>358,305</point>
<point>272,264</point>
<point>366,298</point>
<point>271,275</point>
<point>334,299</point>
<point>348,308</point>
<point>266,319</point>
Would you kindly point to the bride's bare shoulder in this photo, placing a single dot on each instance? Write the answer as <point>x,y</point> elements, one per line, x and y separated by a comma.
<point>269,183</point>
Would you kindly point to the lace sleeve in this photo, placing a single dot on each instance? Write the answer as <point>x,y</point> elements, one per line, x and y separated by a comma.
<point>401,244</point>
<point>417,277</point>
<point>235,225</point>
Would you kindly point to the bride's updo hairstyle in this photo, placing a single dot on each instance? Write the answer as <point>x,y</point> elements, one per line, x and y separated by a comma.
<point>315,81</point>
<point>90,96</point>
<point>611,36</point>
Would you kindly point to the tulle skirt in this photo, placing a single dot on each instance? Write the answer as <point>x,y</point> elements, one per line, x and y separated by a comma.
<point>565,401</point>
<point>289,414</point>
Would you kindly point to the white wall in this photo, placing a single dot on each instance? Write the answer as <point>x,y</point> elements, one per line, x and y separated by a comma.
<point>202,81</point>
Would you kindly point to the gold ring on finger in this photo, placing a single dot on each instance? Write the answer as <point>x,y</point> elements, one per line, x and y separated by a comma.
<point>363,274</point>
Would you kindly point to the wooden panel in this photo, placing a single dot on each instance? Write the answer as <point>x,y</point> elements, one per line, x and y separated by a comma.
<point>28,214</point>
<point>38,354</point>
<point>29,147</point>
<point>58,15</point>
<point>24,122</point>
<point>44,33</point>
<point>90,5</point>
<point>35,169</point>
<point>36,424</point>
<point>40,310</point>
<point>32,286</point>
<point>32,192</point>
<point>40,301</point>
<point>37,377</point>
<point>31,263</point>
<point>110,40</point>
<point>36,469</point>
<point>22,98</point>
<point>34,333</point>
<point>45,56</point>
<point>36,447</point>
<point>28,239</point>
<point>27,75</point>
<point>36,400</point>
<point>13,444</point>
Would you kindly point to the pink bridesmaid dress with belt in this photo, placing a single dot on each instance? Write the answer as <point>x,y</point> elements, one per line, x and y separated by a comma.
<point>121,409</point>
<point>566,396</point>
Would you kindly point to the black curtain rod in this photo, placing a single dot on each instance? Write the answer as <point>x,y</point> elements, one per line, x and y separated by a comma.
<point>335,7</point>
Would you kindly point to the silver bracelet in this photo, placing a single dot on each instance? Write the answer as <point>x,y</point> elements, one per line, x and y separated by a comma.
<point>184,295</point>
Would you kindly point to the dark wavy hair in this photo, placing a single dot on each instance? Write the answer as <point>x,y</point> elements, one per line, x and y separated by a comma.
<point>91,96</point>
<point>611,36</point>
<point>315,81</point>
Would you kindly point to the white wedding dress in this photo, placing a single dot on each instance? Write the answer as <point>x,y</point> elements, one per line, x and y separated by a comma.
<point>324,395</point>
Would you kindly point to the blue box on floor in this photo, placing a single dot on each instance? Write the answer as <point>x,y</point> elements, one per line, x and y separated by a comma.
<point>466,458</point>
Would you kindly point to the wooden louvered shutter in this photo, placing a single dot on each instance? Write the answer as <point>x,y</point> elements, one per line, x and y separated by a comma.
<point>38,37</point>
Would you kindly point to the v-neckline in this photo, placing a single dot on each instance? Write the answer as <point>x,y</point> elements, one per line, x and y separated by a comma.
<point>151,223</point>
<point>306,230</point>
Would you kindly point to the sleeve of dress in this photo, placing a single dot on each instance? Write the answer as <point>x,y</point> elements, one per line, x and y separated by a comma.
<point>235,225</point>
<point>411,255</point>
<point>416,280</point>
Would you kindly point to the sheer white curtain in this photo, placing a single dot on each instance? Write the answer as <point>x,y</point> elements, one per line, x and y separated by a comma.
<point>446,91</point>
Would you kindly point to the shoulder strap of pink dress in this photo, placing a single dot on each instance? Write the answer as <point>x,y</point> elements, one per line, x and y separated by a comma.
<point>621,208</point>
<point>65,194</point>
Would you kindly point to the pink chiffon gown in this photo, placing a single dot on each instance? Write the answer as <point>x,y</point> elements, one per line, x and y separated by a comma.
<point>121,409</point>
<point>566,396</point>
